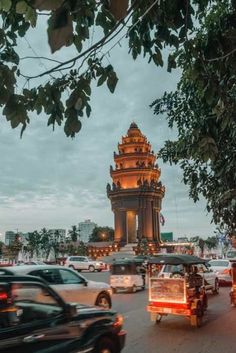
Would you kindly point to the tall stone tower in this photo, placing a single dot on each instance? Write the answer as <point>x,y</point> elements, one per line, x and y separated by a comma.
<point>136,192</point>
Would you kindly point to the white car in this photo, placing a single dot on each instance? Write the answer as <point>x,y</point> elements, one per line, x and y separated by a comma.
<point>68,283</point>
<point>231,254</point>
<point>222,268</point>
<point>211,281</point>
<point>81,263</point>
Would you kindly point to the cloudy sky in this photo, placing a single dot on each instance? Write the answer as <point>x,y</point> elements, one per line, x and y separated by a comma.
<point>49,180</point>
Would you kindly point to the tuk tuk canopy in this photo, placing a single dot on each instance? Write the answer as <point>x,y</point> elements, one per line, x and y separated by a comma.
<point>176,259</point>
<point>125,266</point>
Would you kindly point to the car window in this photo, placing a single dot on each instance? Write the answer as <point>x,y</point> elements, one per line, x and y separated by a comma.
<point>69,277</point>
<point>28,303</point>
<point>75,258</point>
<point>173,268</point>
<point>219,263</point>
<point>51,276</point>
<point>202,268</point>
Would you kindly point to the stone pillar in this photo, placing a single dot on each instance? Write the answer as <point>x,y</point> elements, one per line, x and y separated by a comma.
<point>131,226</point>
<point>120,225</point>
<point>148,225</point>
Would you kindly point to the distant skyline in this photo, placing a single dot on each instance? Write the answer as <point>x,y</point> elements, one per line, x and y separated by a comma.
<point>49,180</point>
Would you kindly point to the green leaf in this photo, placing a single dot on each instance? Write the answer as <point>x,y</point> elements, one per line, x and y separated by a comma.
<point>157,58</point>
<point>72,124</point>
<point>31,16</point>
<point>60,30</point>
<point>21,7</point>
<point>102,79</point>
<point>88,110</point>
<point>5,5</point>
<point>112,81</point>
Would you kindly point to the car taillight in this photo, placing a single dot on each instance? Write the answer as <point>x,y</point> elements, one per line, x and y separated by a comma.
<point>119,321</point>
<point>3,296</point>
<point>225,272</point>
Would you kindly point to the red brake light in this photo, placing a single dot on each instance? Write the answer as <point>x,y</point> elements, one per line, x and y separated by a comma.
<point>226,271</point>
<point>3,296</point>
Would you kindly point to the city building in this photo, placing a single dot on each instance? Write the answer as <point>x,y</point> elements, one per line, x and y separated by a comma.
<point>10,237</point>
<point>58,234</point>
<point>85,229</point>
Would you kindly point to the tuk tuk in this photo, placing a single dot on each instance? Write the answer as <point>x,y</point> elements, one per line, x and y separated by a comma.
<point>233,288</point>
<point>128,275</point>
<point>182,293</point>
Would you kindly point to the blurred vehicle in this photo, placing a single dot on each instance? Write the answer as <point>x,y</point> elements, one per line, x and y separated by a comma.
<point>81,263</point>
<point>231,254</point>
<point>127,274</point>
<point>233,288</point>
<point>211,281</point>
<point>47,324</point>
<point>72,286</point>
<point>222,268</point>
<point>21,263</point>
<point>182,293</point>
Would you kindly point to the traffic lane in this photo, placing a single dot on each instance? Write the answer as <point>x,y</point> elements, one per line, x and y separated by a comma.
<point>174,333</point>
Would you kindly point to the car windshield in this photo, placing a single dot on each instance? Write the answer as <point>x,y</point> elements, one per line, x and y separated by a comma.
<point>219,263</point>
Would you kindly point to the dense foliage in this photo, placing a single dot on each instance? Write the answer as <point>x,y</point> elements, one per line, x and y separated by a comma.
<point>102,234</point>
<point>203,111</point>
<point>148,26</point>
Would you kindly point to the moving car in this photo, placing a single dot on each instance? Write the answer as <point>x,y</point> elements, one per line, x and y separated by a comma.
<point>211,281</point>
<point>72,286</point>
<point>231,254</point>
<point>81,263</point>
<point>46,324</point>
<point>222,268</point>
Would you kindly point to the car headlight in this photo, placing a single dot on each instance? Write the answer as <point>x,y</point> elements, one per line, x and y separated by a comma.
<point>110,291</point>
<point>119,321</point>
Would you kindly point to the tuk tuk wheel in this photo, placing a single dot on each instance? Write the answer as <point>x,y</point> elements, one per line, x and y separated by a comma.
<point>196,320</point>
<point>132,289</point>
<point>114,290</point>
<point>215,290</point>
<point>158,318</point>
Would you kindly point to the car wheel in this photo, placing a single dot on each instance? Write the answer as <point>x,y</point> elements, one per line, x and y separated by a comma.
<point>216,287</point>
<point>105,345</point>
<point>73,267</point>
<point>104,301</point>
<point>91,268</point>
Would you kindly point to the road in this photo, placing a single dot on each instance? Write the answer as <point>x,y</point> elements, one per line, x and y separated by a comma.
<point>174,334</point>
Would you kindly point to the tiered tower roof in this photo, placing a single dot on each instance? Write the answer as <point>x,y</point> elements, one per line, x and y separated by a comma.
<point>135,162</point>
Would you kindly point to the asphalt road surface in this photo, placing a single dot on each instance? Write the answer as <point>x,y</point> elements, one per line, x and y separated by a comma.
<point>174,334</point>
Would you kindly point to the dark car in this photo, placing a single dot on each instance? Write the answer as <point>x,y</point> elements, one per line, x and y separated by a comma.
<point>35,319</point>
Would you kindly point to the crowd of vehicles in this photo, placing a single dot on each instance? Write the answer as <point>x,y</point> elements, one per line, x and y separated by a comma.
<point>53,308</point>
